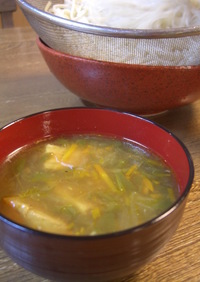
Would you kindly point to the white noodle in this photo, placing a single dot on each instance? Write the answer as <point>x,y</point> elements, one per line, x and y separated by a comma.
<point>134,14</point>
<point>139,14</point>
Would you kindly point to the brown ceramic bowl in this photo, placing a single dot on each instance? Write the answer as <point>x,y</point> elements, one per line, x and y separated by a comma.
<point>99,258</point>
<point>138,89</point>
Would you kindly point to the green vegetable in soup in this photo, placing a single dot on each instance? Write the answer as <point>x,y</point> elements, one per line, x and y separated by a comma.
<point>85,185</point>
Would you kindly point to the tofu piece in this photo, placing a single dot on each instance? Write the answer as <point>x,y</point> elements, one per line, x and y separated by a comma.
<point>36,218</point>
<point>54,160</point>
<point>68,157</point>
<point>63,195</point>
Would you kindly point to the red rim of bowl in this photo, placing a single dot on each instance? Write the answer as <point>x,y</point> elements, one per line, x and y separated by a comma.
<point>158,218</point>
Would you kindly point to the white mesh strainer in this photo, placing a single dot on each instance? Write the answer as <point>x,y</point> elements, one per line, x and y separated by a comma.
<point>172,47</point>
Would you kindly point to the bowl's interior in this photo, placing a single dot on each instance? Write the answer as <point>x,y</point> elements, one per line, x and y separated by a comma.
<point>98,121</point>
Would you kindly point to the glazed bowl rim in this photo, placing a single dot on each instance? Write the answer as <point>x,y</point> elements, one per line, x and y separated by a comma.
<point>135,229</point>
<point>108,31</point>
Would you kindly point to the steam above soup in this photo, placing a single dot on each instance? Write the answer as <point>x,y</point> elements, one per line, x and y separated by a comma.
<point>85,185</point>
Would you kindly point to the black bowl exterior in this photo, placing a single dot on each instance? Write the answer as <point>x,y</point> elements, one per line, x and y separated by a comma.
<point>99,259</point>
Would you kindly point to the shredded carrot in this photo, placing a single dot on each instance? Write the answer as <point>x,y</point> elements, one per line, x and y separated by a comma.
<point>131,170</point>
<point>148,186</point>
<point>96,213</point>
<point>171,194</point>
<point>69,152</point>
<point>105,176</point>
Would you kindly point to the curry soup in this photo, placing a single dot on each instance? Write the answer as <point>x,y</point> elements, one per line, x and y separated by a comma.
<point>85,185</point>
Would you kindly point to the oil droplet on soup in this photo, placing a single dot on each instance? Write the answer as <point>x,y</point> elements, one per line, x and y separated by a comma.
<point>85,185</point>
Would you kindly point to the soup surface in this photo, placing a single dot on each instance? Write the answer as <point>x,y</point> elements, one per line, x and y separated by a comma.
<point>85,185</point>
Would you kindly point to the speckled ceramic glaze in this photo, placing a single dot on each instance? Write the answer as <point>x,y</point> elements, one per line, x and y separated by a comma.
<point>133,88</point>
<point>94,258</point>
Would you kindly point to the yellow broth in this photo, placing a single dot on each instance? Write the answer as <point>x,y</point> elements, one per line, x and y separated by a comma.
<point>85,185</point>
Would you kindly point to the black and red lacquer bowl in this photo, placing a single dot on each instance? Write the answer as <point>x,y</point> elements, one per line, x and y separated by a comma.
<point>101,258</point>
